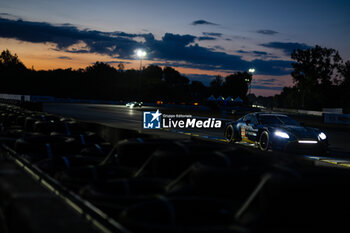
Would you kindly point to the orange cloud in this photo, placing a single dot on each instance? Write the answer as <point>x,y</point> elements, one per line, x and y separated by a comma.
<point>45,57</point>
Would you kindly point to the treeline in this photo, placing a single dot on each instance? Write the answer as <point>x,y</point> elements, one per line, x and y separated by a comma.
<point>321,80</point>
<point>103,81</point>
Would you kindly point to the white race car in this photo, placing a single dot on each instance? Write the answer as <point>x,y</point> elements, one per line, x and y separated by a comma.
<point>133,104</point>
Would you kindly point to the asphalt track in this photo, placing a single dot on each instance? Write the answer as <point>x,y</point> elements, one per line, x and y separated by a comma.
<point>123,117</point>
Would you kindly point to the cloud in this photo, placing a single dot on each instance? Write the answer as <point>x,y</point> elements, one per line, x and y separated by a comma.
<point>176,39</point>
<point>186,65</point>
<point>252,52</point>
<point>117,62</point>
<point>218,47</point>
<point>259,53</point>
<point>264,87</point>
<point>175,48</point>
<point>8,16</point>
<point>125,34</point>
<point>271,83</point>
<point>202,22</point>
<point>64,58</point>
<point>266,32</point>
<point>271,80</point>
<point>205,38</point>
<point>67,35</point>
<point>286,47</point>
<point>216,34</point>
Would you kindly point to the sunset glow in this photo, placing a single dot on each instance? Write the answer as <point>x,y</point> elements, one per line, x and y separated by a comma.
<point>60,35</point>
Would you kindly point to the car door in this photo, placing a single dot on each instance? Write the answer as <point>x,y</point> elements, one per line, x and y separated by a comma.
<point>250,128</point>
<point>244,129</point>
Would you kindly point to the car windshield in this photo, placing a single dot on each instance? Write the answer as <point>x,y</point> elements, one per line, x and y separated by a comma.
<point>276,120</point>
<point>287,120</point>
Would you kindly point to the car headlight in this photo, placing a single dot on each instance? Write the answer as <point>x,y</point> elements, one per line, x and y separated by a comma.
<point>281,134</point>
<point>322,136</point>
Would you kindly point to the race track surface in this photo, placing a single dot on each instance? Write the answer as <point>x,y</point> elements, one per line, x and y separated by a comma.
<point>123,117</point>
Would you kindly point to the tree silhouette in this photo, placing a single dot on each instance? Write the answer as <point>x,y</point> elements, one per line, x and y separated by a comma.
<point>103,81</point>
<point>10,62</point>
<point>321,80</point>
<point>345,71</point>
<point>121,67</point>
<point>237,84</point>
<point>100,67</point>
<point>344,92</point>
<point>216,86</point>
<point>315,73</point>
<point>198,91</point>
<point>315,66</point>
<point>174,78</point>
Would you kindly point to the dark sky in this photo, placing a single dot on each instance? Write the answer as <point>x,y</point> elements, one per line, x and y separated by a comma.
<point>200,38</point>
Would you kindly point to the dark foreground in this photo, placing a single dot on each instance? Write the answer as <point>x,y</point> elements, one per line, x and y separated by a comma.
<point>62,175</point>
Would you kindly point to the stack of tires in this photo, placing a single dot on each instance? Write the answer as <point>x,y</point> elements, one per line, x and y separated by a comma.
<point>51,142</point>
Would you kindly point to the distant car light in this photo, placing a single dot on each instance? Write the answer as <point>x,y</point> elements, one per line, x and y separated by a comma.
<point>281,134</point>
<point>322,136</point>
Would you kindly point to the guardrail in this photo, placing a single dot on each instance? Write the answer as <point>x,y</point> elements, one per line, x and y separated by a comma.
<point>51,99</point>
<point>299,111</point>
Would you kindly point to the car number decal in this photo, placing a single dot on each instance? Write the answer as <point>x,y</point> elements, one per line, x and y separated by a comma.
<point>242,131</point>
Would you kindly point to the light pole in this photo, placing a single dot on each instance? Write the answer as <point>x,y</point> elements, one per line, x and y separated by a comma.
<point>140,54</point>
<point>251,71</point>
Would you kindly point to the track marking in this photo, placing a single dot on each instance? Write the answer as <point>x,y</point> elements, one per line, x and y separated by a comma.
<point>221,139</point>
<point>334,161</point>
<point>330,160</point>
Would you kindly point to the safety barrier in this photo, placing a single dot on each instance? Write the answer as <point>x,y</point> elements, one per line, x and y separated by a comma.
<point>331,118</point>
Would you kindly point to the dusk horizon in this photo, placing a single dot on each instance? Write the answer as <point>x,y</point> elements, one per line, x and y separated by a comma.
<point>198,44</point>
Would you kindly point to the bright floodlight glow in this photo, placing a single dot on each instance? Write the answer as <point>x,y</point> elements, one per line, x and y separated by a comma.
<point>322,136</point>
<point>140,53</point>
<point>281,134</point>
<point>251,70</point>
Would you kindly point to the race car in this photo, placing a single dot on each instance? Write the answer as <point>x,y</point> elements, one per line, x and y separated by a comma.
<point>277,132</point>
<point>133,104</point>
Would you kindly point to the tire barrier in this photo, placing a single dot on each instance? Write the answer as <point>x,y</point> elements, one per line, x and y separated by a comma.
<point>182,214</point>
<point>76,178</point>
<point>98,149</point>
<point>57,164</point>
<point>41,147</point>
<point>116,195</point>
<point>135,182</point>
